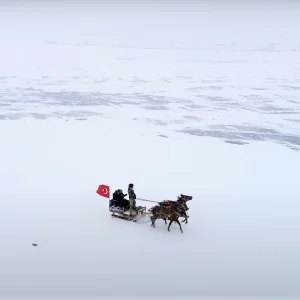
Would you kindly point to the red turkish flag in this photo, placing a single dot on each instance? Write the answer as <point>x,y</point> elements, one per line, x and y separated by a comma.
<point>103,190</point>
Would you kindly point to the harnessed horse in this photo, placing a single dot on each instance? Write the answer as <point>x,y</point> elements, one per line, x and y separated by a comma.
<point>173,211</point>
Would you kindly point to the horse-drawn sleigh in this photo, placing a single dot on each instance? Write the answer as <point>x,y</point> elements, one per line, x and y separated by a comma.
<point>165,210</point>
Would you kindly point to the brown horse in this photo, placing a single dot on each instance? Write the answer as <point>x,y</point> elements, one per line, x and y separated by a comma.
<point>165,213</point>
<point>182,208</point>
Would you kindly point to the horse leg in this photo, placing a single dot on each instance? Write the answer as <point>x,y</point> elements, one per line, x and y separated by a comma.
<point>177,221</point>
<point>186,219</point>
<point>154,222</point>
<point>153,219</point>
<point>183,215</point>
<point>171,221</point>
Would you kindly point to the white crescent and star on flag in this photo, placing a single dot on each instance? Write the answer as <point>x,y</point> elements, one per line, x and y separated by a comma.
<point>103,190</point>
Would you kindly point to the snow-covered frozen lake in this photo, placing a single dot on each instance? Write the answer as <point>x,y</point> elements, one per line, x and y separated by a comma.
<point>196,99</point>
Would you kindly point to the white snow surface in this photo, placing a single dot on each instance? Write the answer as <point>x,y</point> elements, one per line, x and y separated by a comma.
<point>95,95</point>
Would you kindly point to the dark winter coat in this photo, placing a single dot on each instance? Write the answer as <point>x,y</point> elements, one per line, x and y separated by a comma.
<point>131,193</point>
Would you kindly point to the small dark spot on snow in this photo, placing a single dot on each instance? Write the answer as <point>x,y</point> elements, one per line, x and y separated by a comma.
<point>236,142</point>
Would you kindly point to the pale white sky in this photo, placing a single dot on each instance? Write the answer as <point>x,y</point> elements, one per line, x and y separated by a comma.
<point>178,23</point>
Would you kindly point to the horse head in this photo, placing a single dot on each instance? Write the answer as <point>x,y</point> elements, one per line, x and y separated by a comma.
<point>185,197</point>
